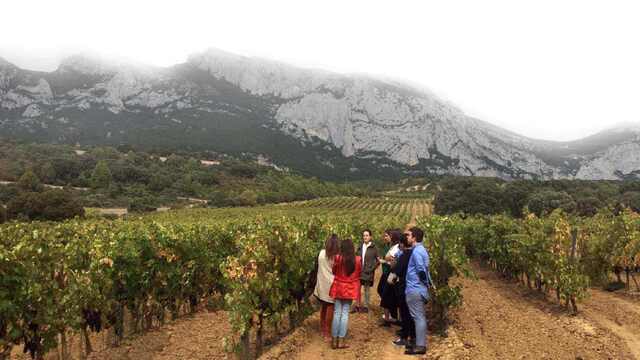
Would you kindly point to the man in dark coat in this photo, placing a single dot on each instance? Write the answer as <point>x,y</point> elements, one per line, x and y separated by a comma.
<point>370,262</point>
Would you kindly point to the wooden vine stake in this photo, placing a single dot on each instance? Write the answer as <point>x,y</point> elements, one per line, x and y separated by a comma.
<point>572,260</point>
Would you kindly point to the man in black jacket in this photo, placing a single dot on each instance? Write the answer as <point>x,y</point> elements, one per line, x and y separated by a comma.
<point>370,262</point>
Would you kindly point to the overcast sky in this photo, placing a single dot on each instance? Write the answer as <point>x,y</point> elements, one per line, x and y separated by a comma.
<point>556,70</point>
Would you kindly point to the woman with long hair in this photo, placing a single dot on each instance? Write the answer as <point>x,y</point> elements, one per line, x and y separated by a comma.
<point>386,290</point>
<point>345,288</point>
<point>324,280</point>
<point>408,328</point>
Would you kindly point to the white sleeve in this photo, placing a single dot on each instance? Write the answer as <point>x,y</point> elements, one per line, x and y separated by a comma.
<point>395,249</point>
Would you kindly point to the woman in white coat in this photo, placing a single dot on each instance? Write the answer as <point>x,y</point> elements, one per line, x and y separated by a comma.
<point>323,283</point>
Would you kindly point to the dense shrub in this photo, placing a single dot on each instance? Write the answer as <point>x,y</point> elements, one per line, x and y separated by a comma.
<point>247,198</point>
<point>29,181</point>
<point>242,170</point>
<point>545,201</point>
<point>471,196</point>
<point>631,199</point>
<point>52,205</point>
<point>588,206</point>
<point>142,204</point>
<point>516,195</point>
<point>101,176</point>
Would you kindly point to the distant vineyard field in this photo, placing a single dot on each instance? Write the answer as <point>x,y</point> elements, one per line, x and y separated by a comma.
<point>419,207</point>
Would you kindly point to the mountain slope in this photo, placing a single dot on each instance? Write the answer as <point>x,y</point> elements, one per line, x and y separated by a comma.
<point>320,123</point>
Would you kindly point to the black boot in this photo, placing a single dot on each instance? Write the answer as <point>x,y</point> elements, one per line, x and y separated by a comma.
<point>410,343</point>
<point>417,350</point>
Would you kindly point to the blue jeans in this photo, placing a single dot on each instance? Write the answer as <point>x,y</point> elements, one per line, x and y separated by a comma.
<point>415,302</point>
<point>340,318</point>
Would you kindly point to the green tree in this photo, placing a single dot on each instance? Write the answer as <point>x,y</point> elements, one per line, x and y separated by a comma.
<point>192,165</point>
<point>52,205</point>
<point>101,176</point>
<point>219,199</point>
<point>175,161</point>
<point>630,185</point>
<point>208,178</point>
<point>29,181</point>
<point>516,194</point>
<point>8,192</point>
<point>66,170</point>
<point>159,181</point>
<point>25,206</point>
<point>631,199</point>
<point>187,185</point>
<point>142,204</point>
<point>105,153</point>
<point>471,196</point>
<point>247,198</point>
<point>59,205</point>
<point>588,206</point>
<point>243,170</point>
<point>47,173</point>
<point>545,201</point>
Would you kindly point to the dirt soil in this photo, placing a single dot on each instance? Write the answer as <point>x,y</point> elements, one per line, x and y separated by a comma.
<point>366,340</point>
<point>504,320</point>
<point>197,337</point>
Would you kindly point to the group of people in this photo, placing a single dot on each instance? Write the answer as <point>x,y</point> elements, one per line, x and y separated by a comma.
<point>345,272</point>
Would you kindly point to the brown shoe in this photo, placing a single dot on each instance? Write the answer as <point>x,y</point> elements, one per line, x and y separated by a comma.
<point>334,343</point>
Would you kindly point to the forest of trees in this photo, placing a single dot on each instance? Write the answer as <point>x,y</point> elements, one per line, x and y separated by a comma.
<point>475,195</point>
<point>30,200</point>
<point>143,181</point>
<point>121,177</point>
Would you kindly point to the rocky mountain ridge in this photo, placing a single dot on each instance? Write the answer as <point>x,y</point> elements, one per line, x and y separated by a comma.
<point>313,120</point>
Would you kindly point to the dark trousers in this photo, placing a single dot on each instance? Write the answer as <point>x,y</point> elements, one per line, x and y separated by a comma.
<point>408,327</point>
<point>388,296</point>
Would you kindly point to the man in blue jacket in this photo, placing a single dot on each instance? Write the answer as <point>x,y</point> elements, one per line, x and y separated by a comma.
<point>416,291</point>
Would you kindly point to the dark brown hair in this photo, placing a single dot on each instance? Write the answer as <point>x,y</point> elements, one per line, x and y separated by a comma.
<point>404,241</point>
<point>348,256</point>
<point>417,233</point>
<point>331,247</point>
<point>395,235</point>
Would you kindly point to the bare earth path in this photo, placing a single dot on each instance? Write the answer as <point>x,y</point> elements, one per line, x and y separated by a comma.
<point>366,340</point>
<point>197,337</point>
<point>499,319</point>
<point>619,314</point>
